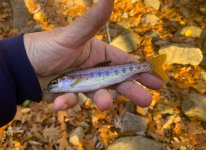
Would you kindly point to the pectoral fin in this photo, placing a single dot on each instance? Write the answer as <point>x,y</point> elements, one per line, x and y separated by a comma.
<point>76,82</point>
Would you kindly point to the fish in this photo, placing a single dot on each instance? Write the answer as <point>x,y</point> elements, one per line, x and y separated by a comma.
<point>90,79</point>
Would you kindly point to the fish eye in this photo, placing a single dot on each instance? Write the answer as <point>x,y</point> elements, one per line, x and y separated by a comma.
<point>56,81</point>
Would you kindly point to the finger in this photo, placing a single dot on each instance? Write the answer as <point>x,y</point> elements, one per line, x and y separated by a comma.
<point>102,51</point>
<point>102,98</point>
<point>150,81</point>
<point>135,92</point>
<point>86,26</point>
<point>65,101</point>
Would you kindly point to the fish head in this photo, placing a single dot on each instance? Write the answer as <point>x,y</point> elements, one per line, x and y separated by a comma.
<point>63,84</point>
<point>55,85</point>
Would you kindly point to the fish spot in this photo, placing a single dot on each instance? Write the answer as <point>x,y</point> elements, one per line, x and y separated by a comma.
<point>124,70</point>
<point>99,74</point>
<point>130,68</point>
<point>92,74</point>
<point>107,73</point>
<point>116,72</point>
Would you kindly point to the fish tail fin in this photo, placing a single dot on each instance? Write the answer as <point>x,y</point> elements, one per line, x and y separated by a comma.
<point>158,62</point>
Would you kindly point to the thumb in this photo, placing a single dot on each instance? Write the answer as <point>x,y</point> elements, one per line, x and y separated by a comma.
<point>86,26</point>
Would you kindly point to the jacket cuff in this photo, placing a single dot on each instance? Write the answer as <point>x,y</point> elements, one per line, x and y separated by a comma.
<point>24,78</point>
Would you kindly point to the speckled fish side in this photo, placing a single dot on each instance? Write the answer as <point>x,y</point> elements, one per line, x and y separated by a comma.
<point>99,77</point>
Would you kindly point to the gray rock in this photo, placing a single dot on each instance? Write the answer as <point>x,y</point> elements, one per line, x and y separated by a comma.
<point>184,11</point>
<point>20,13</point>
<point>196,31</point>
<point>165,109</point>
<point>76,136</point>
<point>195,106</point>
<point>181,54</point>
<point>151,19</point>
<point>135,143</point>
<point>153,3</point>
<point>83,2</point>
<point>127,41</point>
<point>134,123</point>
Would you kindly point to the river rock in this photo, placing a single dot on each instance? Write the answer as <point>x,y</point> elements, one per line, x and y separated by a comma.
<point>76,136</point>
<point>134,123</point>
<point>151,19</point>
<point>181,54</point>
<point>184,11</point>
<point>127,41</point>
<point>195,106</point>
<point>153,3</point>
<point>20,13</point>
<point>135,143</point>
<point>195,31</point>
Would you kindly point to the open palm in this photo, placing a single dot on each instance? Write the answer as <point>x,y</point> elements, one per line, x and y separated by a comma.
<point>72,47</point>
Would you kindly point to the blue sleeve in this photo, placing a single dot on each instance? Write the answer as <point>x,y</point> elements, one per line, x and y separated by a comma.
<point>18,80</point>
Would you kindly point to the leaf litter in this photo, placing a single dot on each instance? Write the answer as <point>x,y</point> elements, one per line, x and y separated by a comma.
<point>38,126</point>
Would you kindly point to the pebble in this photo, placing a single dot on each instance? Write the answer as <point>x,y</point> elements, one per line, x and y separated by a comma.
<point>20,13</point>
<point>195,31</point>
<point>195,106</point>
<point>134,123</point>
<point>76,136</point>
<point>135,143</point>
<point>184,11</point>
<point>181,54</point>
<point>150,19</point>
<point>126,41</point>
<point>153,3</point>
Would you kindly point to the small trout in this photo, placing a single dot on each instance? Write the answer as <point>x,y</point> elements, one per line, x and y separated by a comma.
<point>91,79</point>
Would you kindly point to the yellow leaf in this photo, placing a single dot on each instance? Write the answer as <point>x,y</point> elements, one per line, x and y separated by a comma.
<point>188,33</point>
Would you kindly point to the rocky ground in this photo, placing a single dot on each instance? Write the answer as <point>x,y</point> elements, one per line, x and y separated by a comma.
<point>176,118</point>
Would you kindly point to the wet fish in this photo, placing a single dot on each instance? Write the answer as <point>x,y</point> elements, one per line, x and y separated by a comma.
<point>91,79</point>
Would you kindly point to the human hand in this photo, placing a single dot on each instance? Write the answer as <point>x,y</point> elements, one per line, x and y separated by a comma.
<point>51,52</point>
